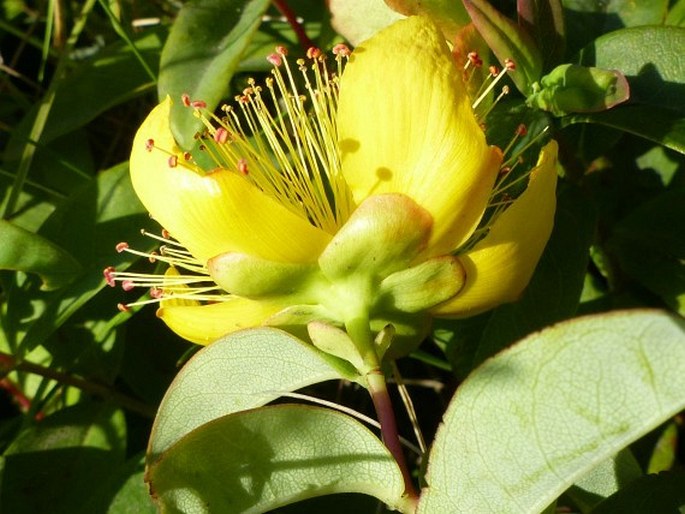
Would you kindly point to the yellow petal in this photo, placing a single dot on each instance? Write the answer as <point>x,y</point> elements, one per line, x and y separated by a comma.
<point>204,324</point>
<point>217,212</point>
<point>406,126</point>
<point>500,266</point>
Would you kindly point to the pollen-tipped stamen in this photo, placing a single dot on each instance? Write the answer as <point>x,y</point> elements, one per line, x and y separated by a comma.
<point>290,153</point>
<point>493,78</point>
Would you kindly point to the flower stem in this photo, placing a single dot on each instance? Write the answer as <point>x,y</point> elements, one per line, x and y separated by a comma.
<point>386,417</point>
<point>289,15</point>
<point>360,332</point>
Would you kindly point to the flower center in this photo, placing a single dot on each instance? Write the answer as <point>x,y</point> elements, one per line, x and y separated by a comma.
<point>283,142</point>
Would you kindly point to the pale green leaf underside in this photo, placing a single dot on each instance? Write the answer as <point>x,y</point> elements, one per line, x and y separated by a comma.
<point>534,419</point>
<point>255,461</point>
<point>244,370</point>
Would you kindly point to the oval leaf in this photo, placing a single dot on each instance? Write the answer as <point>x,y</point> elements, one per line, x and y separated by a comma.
<point>258,460</point>
<point>22,250</point>
<point>537,417</point>
<point>244,370</point>
<point>202,52</point>
<point>652,60</point>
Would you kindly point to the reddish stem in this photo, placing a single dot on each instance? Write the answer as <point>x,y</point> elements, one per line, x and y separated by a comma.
<point>289,15</point>
<point>386,417</point>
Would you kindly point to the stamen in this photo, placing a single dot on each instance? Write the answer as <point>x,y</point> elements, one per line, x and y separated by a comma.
<point>287,151</point>
<point>473,59</point>
<point>274,59</point>
<point>521,131</point>
<point>504,92</point>
<point>497,74</point>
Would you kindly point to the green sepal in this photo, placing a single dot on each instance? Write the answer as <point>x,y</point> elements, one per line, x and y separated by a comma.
<point>336,342</point>
<point>571,88</point>
<point>409,331</point>
<point>297,315</point>
<point>508,41</point>
<point>383,235</point>
<point>423,286</point>
<point>384,339</point>
<point>253,277</point>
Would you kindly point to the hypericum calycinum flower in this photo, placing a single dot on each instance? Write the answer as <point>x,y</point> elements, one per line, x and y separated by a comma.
<point>363,199</point>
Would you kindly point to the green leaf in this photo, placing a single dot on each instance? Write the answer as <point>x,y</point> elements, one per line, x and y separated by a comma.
<point>90,225</point>
<point>123,492</point>
<point>201,55</point>
<point>652,60</point>
<point>604,480</point>
<point>664,455</point>
<point>544,19</point>
<point>241,371</point>
<point>676,15</point>
<point>553,293</point>
<point>663,126</point>
<point>650,247</point>
<point>261,459</point>
<point>537,417</point>
<point>22,250</point>
<point>53,466</point>
<point>111,78</point>
<point>508,41</point>
<point>663,493</point>
<point>588,20</point>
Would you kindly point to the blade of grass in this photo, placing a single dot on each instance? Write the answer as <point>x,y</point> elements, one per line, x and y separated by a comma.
<point>43,110</point>
<point>119,29</point>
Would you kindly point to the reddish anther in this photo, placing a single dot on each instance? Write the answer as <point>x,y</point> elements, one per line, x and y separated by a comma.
<point>509,64</point>
<point>494,70</point>
<point>156,293</point>
<point>172,161</point>
<point>281,50</point>
<point>274,59</point>
<point>475,59</point>
<point>149,144</point>
<point>242,166</point>
<point>121,247</point>
<point>185,99</point>
<point>123,308</point>
<point>165,234</point>
<point>127,285</point>
<point>108,273</point>
<point>341,49</point>
<point>313,52</point>
<point>521,130</point>
<point>187,156</point>
<point>221,135</point>
<point>152,257</point>
<point>199,104</point>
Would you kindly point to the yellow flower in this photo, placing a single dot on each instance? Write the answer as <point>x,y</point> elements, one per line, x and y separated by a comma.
<point>366,198</point>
